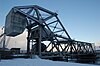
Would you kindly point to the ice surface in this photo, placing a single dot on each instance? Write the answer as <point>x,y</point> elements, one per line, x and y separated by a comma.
<point>38,62</point>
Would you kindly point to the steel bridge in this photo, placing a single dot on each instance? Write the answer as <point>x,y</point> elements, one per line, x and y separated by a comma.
<point>44,25</point>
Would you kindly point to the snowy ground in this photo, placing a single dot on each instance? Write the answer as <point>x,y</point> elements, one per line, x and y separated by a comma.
<point>38,62</point>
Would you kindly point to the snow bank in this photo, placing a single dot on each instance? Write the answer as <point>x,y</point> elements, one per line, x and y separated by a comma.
<point>35,57</point>
<point>37,62</point>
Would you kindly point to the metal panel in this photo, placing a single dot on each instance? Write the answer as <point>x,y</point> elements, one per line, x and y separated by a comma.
<point>15,23</point>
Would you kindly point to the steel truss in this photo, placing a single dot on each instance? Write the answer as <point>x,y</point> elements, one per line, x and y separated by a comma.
<point>44,25</point>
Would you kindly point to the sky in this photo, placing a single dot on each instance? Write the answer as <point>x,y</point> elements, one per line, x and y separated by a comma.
<point>81,18</point>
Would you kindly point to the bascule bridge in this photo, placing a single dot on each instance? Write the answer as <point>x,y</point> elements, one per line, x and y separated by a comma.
<point>44,25</point>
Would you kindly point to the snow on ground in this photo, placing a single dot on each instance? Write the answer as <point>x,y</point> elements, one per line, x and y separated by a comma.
<point>38,62</point>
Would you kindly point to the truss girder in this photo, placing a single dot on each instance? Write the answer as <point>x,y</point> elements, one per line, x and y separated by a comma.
<point>59,39</point>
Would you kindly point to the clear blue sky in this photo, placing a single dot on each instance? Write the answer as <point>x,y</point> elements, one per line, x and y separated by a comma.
<point>80,17</point>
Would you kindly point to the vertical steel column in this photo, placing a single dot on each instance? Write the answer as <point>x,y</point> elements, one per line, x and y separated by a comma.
<point>40,27</point>
<point>4,42</point>
<point>28,42</point>
<point>40,41</point>
<point>0,57</point>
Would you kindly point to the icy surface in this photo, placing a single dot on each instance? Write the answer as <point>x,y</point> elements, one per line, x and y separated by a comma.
<point>38,62</point>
